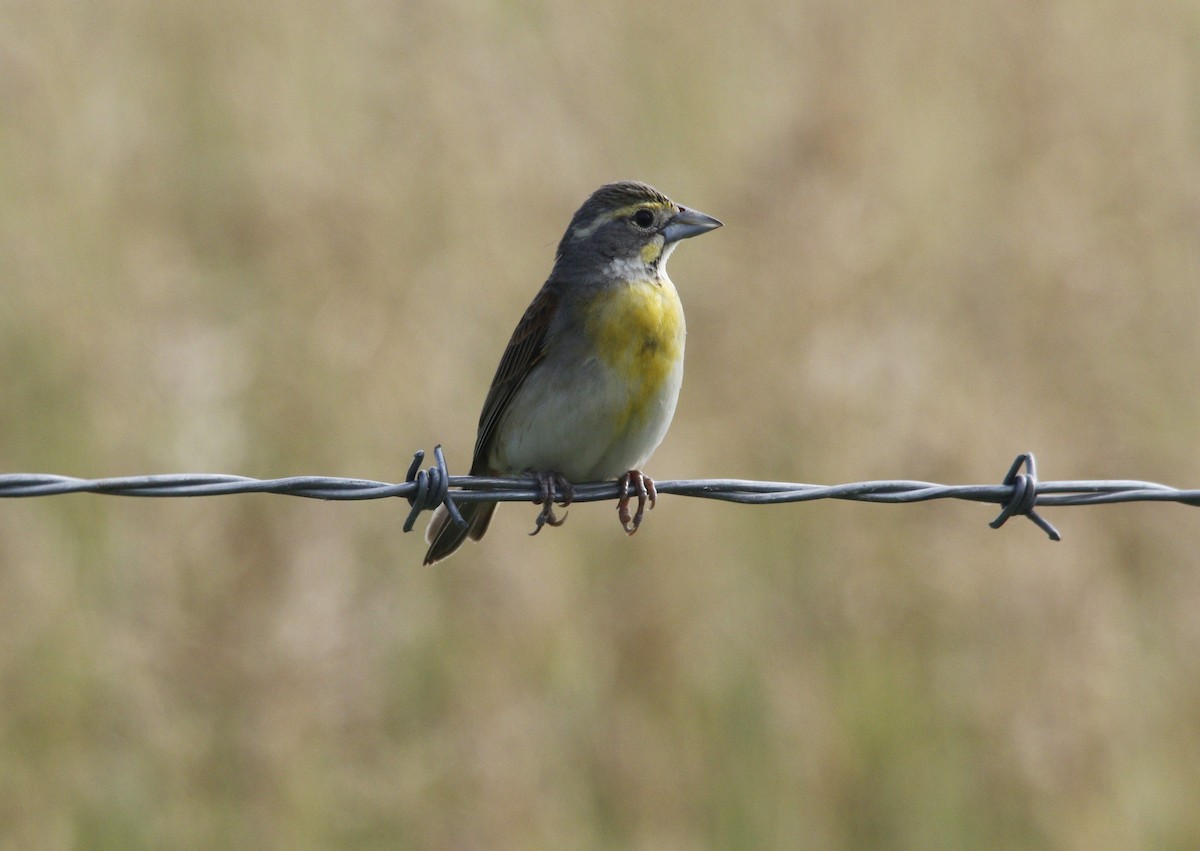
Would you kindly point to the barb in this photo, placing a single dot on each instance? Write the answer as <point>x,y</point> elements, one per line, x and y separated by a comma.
<point>1020,493</point>
<point>432,489</point>
<point>1024,495</point>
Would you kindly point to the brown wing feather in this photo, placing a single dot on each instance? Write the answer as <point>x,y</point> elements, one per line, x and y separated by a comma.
<point>524,351</point>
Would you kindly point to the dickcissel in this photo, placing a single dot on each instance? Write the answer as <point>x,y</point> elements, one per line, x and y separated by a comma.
<point>588,384</point>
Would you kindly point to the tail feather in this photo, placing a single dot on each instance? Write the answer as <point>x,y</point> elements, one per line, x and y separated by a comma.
<point>444,537</point>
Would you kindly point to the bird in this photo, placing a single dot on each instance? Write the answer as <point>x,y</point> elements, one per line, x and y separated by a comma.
<point>588,383</point>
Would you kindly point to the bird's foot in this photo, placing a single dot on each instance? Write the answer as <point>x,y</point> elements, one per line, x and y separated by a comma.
<point>635,482</point>
<point>548,482</point>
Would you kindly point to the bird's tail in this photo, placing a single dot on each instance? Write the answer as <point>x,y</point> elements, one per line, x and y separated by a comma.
<point>444,537</point>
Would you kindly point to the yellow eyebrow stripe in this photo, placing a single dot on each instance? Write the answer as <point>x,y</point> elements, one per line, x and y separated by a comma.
<point>589,229</point>
<point>641,205</point>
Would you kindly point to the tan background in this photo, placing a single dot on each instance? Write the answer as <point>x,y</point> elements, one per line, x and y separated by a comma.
<point>280,238</point>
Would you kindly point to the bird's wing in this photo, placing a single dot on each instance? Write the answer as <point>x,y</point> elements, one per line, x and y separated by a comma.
<point>525,350</point>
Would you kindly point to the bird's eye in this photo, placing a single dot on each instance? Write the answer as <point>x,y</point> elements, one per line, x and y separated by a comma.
<point>643,219</point>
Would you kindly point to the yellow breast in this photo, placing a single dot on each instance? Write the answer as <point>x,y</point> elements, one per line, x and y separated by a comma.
<point>638,331</point>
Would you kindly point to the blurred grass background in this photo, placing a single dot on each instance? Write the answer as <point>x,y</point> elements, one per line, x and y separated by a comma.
<point>285,238</point>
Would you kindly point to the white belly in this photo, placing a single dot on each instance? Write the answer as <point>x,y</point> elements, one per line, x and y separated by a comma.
<point>579,423</point>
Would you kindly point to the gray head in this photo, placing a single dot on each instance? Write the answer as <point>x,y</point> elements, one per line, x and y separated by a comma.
<point>627,221</point>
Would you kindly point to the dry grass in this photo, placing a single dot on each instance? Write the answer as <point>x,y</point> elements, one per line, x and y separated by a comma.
<point>282,238</point>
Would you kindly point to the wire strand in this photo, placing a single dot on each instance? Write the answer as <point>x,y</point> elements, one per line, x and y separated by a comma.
<point>1019,494</point>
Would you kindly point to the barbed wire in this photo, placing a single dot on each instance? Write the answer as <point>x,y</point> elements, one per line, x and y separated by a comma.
<point>1019,494</point>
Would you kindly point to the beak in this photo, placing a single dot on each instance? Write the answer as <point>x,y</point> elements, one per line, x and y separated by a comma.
<point>688,223</point>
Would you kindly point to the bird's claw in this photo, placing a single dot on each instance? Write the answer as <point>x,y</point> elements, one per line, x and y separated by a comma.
<point>643,487</point>
<point>547,483</point>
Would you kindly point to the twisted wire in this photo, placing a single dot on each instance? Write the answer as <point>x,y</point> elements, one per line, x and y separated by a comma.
<point>1019,493</point>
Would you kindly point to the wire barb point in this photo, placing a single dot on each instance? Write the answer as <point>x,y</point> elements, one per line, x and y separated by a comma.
<point>432,489</point>
<point>1024,496</point>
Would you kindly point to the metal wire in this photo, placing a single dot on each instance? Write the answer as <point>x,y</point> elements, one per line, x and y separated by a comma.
<point>1020,492</point>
